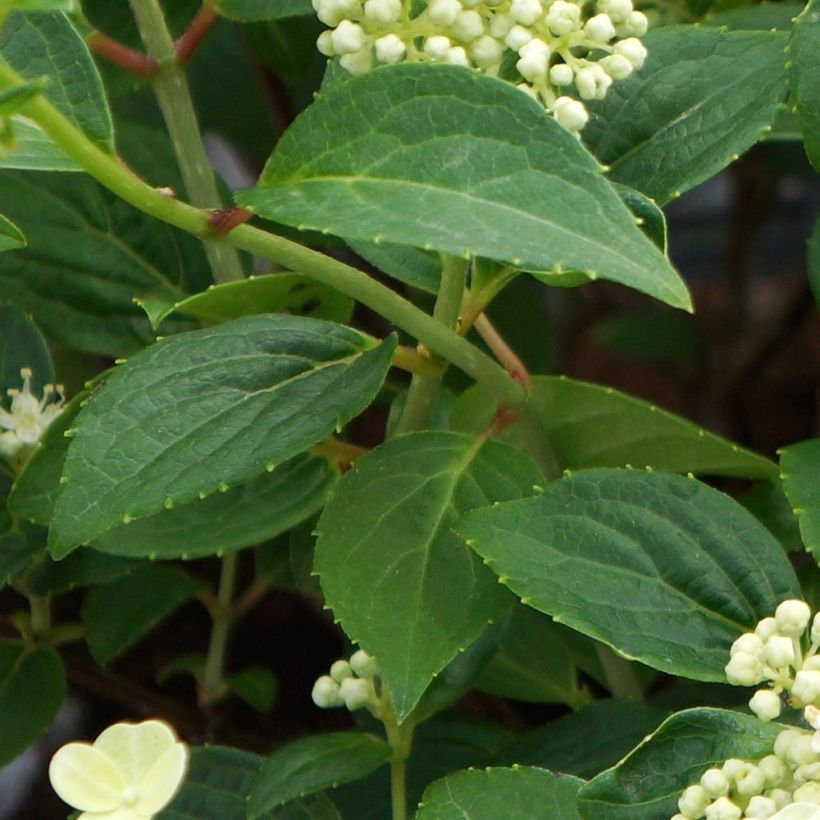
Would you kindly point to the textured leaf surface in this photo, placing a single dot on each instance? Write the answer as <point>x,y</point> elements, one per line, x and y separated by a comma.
<point>312,764</point>
<point>83,568</point>
<point>703,97</point>
<point>427,596</point>
<point>207,408</point>
<point>662,568</point>
<point>445,159</point>
<point>38,45</point>
<point>116,615</point>
<point>759,17</point>
<point>592,426</point>
<point>804,53</point>
<point>263,9</point>
<point>414,266</point>
<point>800,469</point>
<point>18,548</point>
<point>32,688</point>
<point>22,345</point>
<point>11,237</point>
<point>498,794</point>
<point>648,782</point>
<point>89,255</point>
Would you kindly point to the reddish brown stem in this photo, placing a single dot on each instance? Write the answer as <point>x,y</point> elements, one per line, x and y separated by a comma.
<point>503,352</point>
<point>223,222</point>
<point>202,23</point>
<point>120,54</point>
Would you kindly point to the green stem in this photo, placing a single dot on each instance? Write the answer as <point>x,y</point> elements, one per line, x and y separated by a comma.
<point>112,174</point>
<point>421,396</point>
<point>620,676</point>
<point>213,680</point>
<point>40,606</point>
<point>174,97</point>
<point>400,738</point>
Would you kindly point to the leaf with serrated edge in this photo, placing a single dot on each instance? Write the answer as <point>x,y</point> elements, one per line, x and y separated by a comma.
<point>804,54</point>
<point>312,764</point>
<point>209,409</point>
<point>648,781</point>
<point>521,792</point>
<point>662,568</point>
<point>703,97</point>
<point>427,597</point>
<point>589,425</point>
<point>22,345</point>
<point>446,159</point>
<point>800,471</point>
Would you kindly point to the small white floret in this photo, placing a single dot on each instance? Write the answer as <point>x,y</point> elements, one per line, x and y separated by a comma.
<point>437,46</point>
<point>457,56</point>
<point>599,28</point>
<point>633,49</point>
<point>561,74</point>
<point>347,37</point>
<point>563,17</point>
<point>486,52</point>
<point>526,12</point>
<point>765,704</point>
<point>500,25</point>
<point>325,693</point>
<point>723,809</point>
<point>693,801</point>
<point>636,24</point>
<point>467,26</point>
<point>325,43</point>
<point>518,36</point>
<point>356,692</point>
<point>617,66</point>
<point>382,11</point>
<point>360,62</point>
<point>592,82</point>
<point>792,617</point>
<point>443,12</point>
<point>570,113</point>
<point>618,10</point>
<point>389,49</point>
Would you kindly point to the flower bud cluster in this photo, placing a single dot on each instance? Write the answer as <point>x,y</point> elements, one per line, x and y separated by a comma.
<point>351,683</point>
<point>768,789</point>
<point>782,652</point>
<point>565,49</point>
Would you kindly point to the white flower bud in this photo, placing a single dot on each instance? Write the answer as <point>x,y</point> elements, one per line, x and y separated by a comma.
<point>518,36</point>
<point>618,10</point>
<point>526,12</point>
<point>389,49</point>
<point>619,68</point>
<point>749,780</point>
<point>592,82</point>
<point>356,693</point>
<point>744,670</point>
<point>325,693</point>
<point>815,629</point>
<point>692,802</point>
<point>636,24</point>
<point>364,665</point>
<point>534,60</point>
<point>561,74</point>
<point>765,704</point>
<point>749,643</point>
<point>731,767</point>
<point>760,808</point>
<point>783,742</point>
<point>443,12</point>
<point>339,670</point>
<point>767,627</point>
<point>570,113</point>
<point>437,46</point>
<point>634,51</point>
<point>347,37</point>
<point>467,26</point>
<point>800,751</point>
<point>779,652</point>
<point>486,52</point>
<point>812,664</point>
<point>332,12</point>
<point>325,43</point>
<point>714,783</point>
<point>500,26</point>
<point>774,770</point>
<point>599,28</point>
<point>528,90</point>
<point>563,17</point>
<point>792,618</point>
<point>808,771</point>
<point>781,798</point>
<point>807,793</point>
<point>457,56</point>
<point>811,715</point>
<point>806,687</point>
<point>382,11</point>
<point>723,809</point>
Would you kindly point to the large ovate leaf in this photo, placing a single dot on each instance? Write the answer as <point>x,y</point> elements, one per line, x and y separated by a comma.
<point>11,237</point>
<point>32,688</point>
<point>704,96</point>
<point>208,409</point>
<point>22,346</point>
<point>647,783</point>
<point>522,792</point>
<point>446,159</point>
<point>116,615</point>
<point>427,597</point>
<point>804,53</point>
<point>800,471</point>
<point>588,425</point>
<point>47,45</point>
<point>89,255</point>
<point>662,568</point>
<point>312,764</point>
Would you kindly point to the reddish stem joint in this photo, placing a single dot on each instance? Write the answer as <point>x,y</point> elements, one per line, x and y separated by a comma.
<point>223,222</point>
<point>195,33</point>
<point>121,55</point>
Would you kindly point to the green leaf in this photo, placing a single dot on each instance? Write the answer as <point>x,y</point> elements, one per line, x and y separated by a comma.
<point>652,219</point>
<point>759,17</point>
<point>374,157</point>
<point>703,97</point>
<point>18,548</point>
<point>814,261</point>
<point>647,784</point>
<point>32,689</point>
<point>47,45</point>
<point>499,794</point>
<point>804,55</point>
<point>263,9</point>
<point>256,685</point>
<point>800,471</point>
<point>116,615</point>
<point>768,503</point>
<point>592,426</point>
<point>83,568</point>
<point>208,409</point>
<point>396,577</point>
<point>11,237</point>
<point>671,571</point>
<point>89,255</point>
<point>586,742</point>
<point>414,266</point>
<point>274,293</point>
<point>312,764</point>
<point>22,345</point>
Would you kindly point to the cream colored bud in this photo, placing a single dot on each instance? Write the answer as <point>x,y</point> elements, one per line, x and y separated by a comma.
<point>443,12</point>
<point>599,28</point>
<point>806,688</point>
<point>389,49</point>
<point>807,793</point>
<point>570,113</point>
<point>636,24</point>
<point>356,693</point>
<point>744,670</point>
<point>457,56</point>
<point>692,802</point>
<point>383,11</point>
<point>467,26</point>
<point>619,68</point>
<point>766,628</point>
<point>761,808</point>
<point>714,783</point>
<point>364,665</point>
<point>749,780</point>
<point>731,767</point>
<point>500,26</point>
<point>339,670</point>
<point>815,629</point>
<point>437,46</point>
<point>779,652</point>
<point>633,49</point>
<point>618,10</point>
<point>517,37</point>
<point>561,74</point>
<point>781,798</point>
<point>563,18</point>
<point>723,809</point>
<point>783,743</point>
<point>592,82</point>
<point>749,643</point>
<point>792,617</point>
<point>526,12</point>
<point>774,770</point>
<point>347,37</point>
<point>486,52</point>
<point>325,693</point>
<point>325,43</point>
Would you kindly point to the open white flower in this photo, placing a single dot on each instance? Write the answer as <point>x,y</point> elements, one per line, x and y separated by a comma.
<point>131,772</point>
<point>28,417</point>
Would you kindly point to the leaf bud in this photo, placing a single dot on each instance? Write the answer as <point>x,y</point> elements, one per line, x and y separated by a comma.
<point>779,652</point>
<point>633,49</point>
<point>749,780</point>
<point>806,687</point>
<point>526,12</point>
<point>347,37</point>
<point>443,12</point>
<point>692,802</point>
<point>744,669</point>
<point>792,618</point>
<point>390,49</point>
<point>599,28</point>
<point>356,693</point>
<point>561,74</point>
<point>467,26</point>
<point>325,693</point>
<point>714,783</point>
<point>723,809</point>
<point>364,665</point>
<point>339,670</point>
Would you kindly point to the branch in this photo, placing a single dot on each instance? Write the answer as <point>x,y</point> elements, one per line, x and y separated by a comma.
<point>120,54</point>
